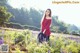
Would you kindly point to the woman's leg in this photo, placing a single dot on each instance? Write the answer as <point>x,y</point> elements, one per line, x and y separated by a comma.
<point>47,38</point>
<point>44,37</point>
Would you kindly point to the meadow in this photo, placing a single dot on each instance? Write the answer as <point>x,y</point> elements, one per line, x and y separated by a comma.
<point>24,41</point>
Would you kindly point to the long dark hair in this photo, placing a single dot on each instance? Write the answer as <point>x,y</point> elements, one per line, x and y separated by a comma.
<point>45,15</point>
<point>49,14</point>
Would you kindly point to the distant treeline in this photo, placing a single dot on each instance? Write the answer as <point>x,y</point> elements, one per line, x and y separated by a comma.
<point>19,26</point>
<point>30,19</point>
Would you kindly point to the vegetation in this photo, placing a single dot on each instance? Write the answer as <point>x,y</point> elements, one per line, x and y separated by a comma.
<point>23,18</point>
<point>4,14</point>
<point>26,42</point>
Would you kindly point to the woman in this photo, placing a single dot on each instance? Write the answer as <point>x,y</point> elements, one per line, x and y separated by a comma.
<point>45,24</point>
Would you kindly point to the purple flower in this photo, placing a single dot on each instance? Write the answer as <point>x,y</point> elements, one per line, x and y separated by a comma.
<point>1,42</point>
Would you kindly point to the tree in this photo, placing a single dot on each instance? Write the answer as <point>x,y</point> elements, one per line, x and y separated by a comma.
<point>3,2</point>
<point>55,28</point>
<point>4,15</point>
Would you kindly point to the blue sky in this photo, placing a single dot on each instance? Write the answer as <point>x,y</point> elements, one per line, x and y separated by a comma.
<point>68,13</point>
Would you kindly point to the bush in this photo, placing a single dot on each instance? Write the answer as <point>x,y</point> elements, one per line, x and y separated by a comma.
<point>55,45</point>
<point>31,27</point>
<point>14,25</point>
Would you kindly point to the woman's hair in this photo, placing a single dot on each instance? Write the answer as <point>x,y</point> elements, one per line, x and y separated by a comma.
<point>45,15</point>
<point>49,14</point>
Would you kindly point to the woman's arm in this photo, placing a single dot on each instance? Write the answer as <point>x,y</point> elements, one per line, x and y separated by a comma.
<point>44,31</point>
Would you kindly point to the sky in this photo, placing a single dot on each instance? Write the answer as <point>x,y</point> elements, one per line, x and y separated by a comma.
<point>68,13</point>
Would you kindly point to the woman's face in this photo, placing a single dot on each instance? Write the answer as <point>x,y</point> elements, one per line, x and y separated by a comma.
<point>47,12</point>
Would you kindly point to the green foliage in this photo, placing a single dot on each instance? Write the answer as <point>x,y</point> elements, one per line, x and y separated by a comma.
<point>3,2</point>
<point>55,28</point>
<point>14,25</point>
<point>55,45</point>
<point>19,26</point>
<point>20,38</point>
<point>17,50</point>
<point>4,15</point>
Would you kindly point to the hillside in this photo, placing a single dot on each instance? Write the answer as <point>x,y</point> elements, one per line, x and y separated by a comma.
<point>24,18</point>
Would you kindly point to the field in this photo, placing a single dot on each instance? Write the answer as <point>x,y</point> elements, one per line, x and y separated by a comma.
<point>25,41</point>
